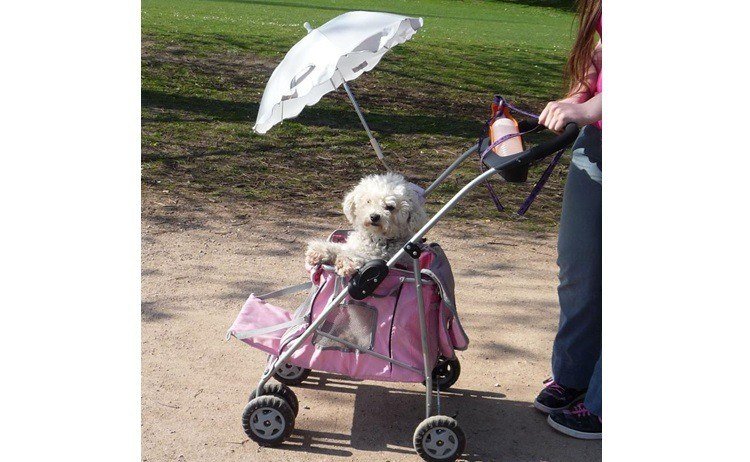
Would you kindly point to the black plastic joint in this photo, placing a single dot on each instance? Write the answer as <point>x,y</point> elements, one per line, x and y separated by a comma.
<point>413,250</point>
<point>367,279</point>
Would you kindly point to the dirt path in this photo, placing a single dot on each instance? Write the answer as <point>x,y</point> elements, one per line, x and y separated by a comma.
<point>199,265</point>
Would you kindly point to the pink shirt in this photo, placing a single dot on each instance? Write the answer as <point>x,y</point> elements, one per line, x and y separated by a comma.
<point>599,77</point>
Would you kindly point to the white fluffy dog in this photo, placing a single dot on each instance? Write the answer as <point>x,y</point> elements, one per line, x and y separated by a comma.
<point>385,211</point>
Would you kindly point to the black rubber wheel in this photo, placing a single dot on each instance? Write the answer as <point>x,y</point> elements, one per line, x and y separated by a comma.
<point>291,375</point>
<point>283,392</point>
<point>268,420</point>
<point>439,439</point>
<point>445,373</point>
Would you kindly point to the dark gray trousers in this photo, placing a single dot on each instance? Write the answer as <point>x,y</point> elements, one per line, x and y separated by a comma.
<point>577,351</point>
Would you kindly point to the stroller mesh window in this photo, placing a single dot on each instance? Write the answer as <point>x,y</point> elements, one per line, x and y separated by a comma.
<point>352,321</point>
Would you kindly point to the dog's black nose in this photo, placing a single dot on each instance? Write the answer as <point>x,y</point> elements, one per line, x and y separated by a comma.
<point>374,217</point>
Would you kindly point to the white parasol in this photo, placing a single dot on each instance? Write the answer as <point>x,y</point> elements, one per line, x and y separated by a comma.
<point>327,57</point>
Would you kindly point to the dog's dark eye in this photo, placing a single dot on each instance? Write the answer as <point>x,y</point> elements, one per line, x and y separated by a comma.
<point>390,207</point>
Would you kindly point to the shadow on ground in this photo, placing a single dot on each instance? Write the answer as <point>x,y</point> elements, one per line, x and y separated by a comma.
<point>200,98</point>
<point>385,420</point>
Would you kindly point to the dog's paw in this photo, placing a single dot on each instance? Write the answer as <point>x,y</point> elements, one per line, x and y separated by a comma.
<point>346,266</point>
<point>316,255</point>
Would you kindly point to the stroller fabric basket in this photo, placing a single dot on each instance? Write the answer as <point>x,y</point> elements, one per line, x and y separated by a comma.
<point>385,323</point>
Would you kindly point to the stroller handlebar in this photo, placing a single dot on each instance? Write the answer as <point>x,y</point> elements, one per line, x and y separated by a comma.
<point>540,151</point>
<point>561,141</point>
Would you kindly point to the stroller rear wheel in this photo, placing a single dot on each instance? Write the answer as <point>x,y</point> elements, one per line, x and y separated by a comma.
<point>439,439</point>
<point>282,391</point>
<point>291,375</point>
<point>268,420</point>
<point>445,373</point>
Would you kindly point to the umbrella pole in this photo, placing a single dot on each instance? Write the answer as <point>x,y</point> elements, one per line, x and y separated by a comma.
<point>373,141</point>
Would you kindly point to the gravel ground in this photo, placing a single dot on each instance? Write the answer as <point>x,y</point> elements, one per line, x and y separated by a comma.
<point>200,262</point>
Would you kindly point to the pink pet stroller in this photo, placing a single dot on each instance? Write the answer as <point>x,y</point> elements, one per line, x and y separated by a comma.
<point>369,334</point>
<point>365,327</point>
<point>391,321</point>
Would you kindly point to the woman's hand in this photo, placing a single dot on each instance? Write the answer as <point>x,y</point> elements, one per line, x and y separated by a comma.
<point>558,114</point>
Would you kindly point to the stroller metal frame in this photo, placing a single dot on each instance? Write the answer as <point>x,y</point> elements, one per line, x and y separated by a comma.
<point>496,164</point>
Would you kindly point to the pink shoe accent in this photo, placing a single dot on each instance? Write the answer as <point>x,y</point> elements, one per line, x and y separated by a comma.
<point>552,385</point>
<point>580,410</point>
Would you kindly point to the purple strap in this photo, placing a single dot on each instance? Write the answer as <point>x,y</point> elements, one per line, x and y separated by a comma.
<point>490,189</point>
<point>503,102</point>
<point>542,180</point>
<point>540,184</point>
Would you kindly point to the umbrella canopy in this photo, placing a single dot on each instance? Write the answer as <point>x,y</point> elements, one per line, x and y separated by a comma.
<point>338,51</point>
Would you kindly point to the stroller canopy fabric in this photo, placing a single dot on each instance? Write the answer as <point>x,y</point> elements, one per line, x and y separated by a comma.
<point>339,50</point>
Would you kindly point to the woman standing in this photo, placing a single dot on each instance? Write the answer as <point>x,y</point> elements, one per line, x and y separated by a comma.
<point>573,397</point>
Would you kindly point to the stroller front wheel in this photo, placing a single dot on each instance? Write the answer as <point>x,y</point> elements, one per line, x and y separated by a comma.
<point>268,420</point>
<point>282,391</point>
<point>445,373</point>
<point>439,439</point>
<point>291,375</point>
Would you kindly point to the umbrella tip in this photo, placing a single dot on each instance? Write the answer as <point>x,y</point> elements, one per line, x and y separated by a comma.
<point>308,27</point>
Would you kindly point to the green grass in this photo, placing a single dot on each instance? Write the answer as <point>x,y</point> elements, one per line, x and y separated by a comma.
<point>205,64</point>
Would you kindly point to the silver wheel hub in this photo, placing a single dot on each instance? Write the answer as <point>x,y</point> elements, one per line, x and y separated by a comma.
<point>289,371</point>
<point>440,442</point>
<point>267,423</point>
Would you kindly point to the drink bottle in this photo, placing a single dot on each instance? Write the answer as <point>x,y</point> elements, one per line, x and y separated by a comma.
<point>504,126</point>
<point>501,127</point>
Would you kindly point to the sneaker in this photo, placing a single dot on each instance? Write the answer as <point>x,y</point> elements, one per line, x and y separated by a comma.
<point>577,422</point>
<point>555,397</point>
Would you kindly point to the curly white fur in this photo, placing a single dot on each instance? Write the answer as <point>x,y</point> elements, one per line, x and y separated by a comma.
<point>384,212</point>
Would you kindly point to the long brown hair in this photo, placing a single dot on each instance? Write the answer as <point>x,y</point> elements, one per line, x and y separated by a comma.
<point>589,12</point>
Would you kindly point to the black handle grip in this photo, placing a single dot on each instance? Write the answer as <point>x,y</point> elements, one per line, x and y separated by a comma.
<point>561,141</point>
